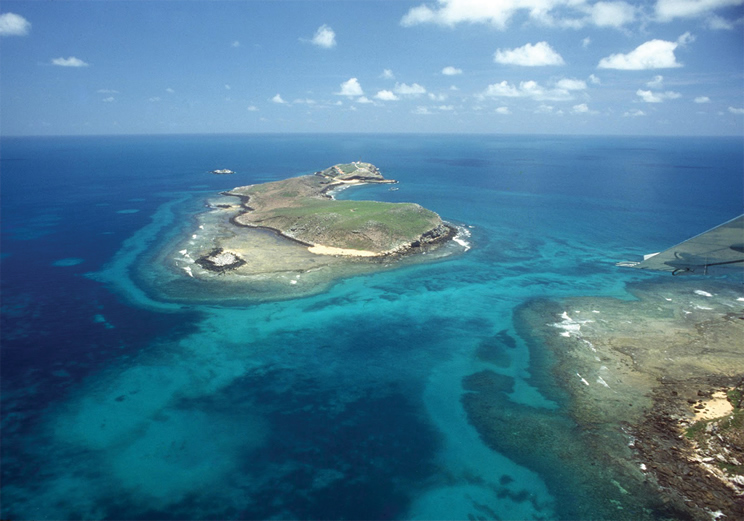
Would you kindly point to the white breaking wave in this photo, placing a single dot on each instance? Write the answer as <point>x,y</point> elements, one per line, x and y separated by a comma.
<point>462,236</point>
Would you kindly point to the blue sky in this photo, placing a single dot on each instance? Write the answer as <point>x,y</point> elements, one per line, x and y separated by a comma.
<point>661,67</point>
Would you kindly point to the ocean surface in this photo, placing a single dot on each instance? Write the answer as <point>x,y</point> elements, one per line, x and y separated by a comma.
<point>120,404</point>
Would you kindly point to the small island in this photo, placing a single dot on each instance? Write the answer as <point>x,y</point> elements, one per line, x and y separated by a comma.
<point>301,209</point>
<point>290,238</point>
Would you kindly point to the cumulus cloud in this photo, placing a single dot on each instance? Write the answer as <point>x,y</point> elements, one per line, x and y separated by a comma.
<point>612,14</point>
<point>409,90</point>
<point>503,111</point>
<point>595,80</point>
<point>634,113</point>
<point>351,88</point>
<point>571,84</point>
<point>581,108</point>
<point>252,108</point>
<point>69,62</point>
<point>324,37</point>
<point>364,99</point>
<point>12,24</point>
<point>387,74</point>
<point>451,71</point>
<point>528,89</point>
<point>667,10</point>
<point>657,97</point>
<point>656,83</point>
<point>278,99</point>
<point>386,95</point>
<point>551,13</point>
<point>735,110</point>
<point>654,54</point>
<point>702,99</point>
<point>537,55</point>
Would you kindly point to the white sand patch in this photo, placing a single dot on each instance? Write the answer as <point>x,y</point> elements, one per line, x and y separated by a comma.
<point>716,406</point>
<point>319,249</point>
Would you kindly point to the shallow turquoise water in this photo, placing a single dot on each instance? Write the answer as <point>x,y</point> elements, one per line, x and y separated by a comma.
<point>347,404</point>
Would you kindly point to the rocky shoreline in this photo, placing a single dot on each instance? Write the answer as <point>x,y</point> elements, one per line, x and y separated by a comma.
<point>690,477</point>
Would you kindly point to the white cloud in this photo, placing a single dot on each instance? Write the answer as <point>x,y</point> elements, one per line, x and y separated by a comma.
<point>715,22</point>
<point>612,14</point>
<point>503,110</point>
<point>667,10</point>
<point>571,84</point>
<point>656,83</point>
<point>657,97</point>
<point>387,74</point>
<point>527,89</point>
<point>278,99</point>
<point>634,113</point>
<point>386,95</point>
<point>364,99</point>
<point>169,90</point>
<point>109,99</point>
<point>351,88</point>
<point>451,71</point>
<point>12,24</point>
<point>594,79</point>
<point>305,101</point>
<point>582,108</point>
<point>654,54</point>
<point>421,111</point>
<point>734,110</point>
<point>324,37</point>
<point>537,55</point>
<point>252,108</point>
<point>437,97</point>
<point>702,99</point>
<point>499,13</point>
<point>544,109</point>
<point>585,42</point>
<point>69,62</point>
<point>409,90</point>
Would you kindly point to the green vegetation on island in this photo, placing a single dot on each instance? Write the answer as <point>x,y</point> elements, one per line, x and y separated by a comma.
<point>301,209</point>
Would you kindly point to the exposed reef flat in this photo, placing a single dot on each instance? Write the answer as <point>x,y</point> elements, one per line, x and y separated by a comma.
<point>653,388</point>
<point>292,238</point>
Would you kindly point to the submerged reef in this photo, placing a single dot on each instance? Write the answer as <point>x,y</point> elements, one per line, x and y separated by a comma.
<point>653,390</point>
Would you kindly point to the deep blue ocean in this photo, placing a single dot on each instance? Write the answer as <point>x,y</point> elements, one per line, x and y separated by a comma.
<point>117,404</point>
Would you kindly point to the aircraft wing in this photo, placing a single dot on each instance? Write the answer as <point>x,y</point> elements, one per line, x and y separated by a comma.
<point>717,251</point>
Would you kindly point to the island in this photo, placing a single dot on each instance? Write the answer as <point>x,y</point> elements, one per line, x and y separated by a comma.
<point>301,209</point>
<point>292,238</point>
